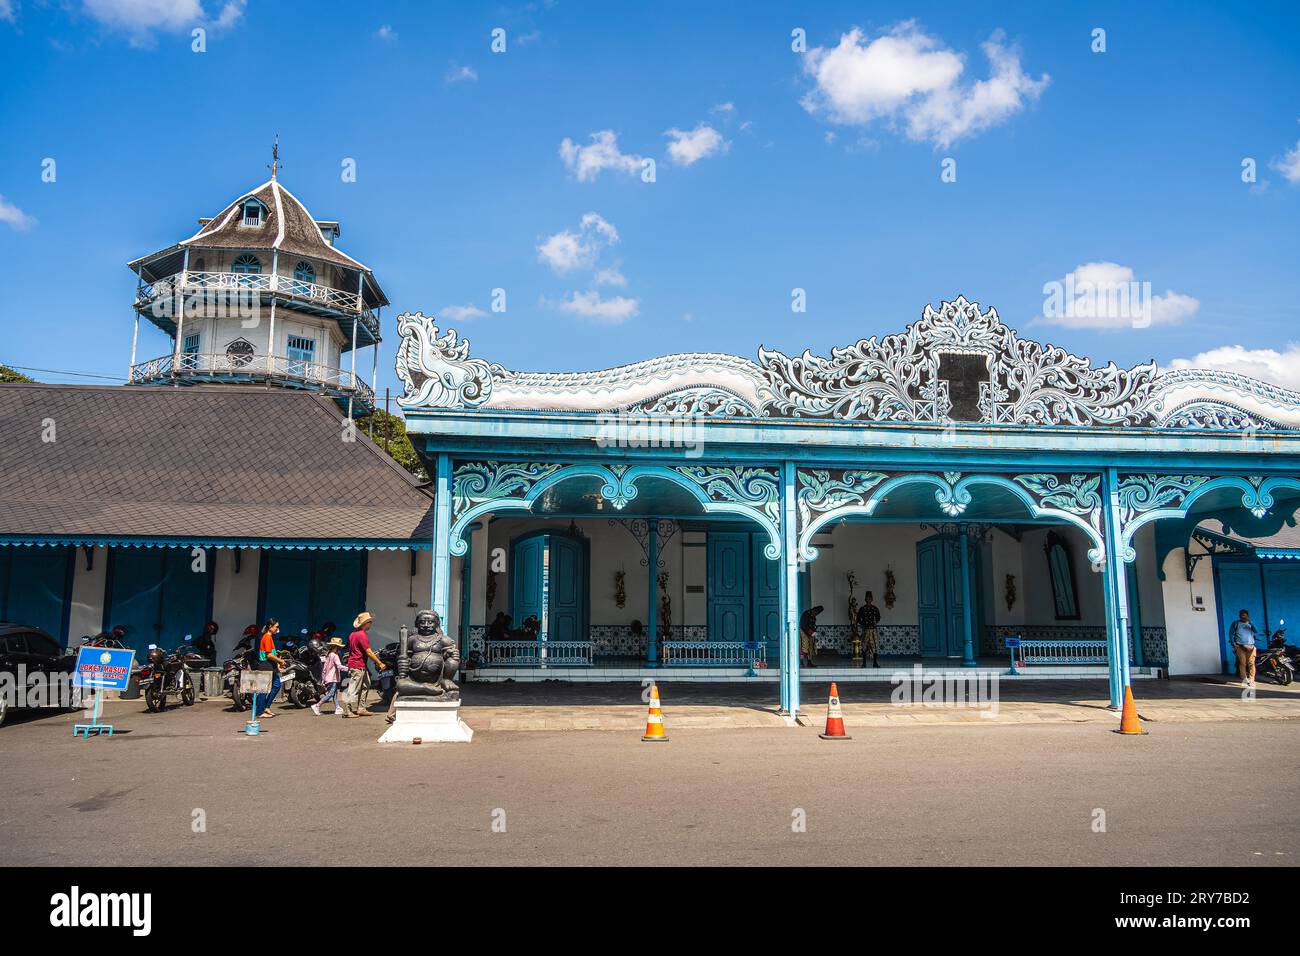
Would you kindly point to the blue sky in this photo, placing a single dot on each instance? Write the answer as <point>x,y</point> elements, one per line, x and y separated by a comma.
<point>818,170</point>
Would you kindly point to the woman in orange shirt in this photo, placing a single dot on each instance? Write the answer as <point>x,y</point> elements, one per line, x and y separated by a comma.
<point>268,658</point>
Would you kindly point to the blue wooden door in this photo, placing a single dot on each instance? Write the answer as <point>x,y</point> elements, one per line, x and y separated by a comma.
<point>305,589</point>
<point>287,592</point>
<point>567,590</point>
<point>1282,598</point>
<point>941,613</point>
<point>767,597</point>
<point>729,586</point>
<point>953,596</point>
<point>931,603</point>
<point>33,587</point>
<point>158,595</point>
<point>337,590</point>
<point>526,571</point>
<point>1240,586</point>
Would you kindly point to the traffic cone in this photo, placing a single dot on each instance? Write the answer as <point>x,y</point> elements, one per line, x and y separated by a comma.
<point>1128,721</point>
<point>654,722</point>
<point>834,718</point>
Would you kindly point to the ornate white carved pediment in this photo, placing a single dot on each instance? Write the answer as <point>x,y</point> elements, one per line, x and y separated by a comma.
<point>958,363</point>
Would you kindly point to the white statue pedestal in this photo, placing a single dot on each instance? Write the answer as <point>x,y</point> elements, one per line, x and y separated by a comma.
<point>427,720</point>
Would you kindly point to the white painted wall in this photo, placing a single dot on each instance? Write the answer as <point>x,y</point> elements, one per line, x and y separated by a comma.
<point>393,596</point>
<point>1193,634</point>
<point>87,614</point>
<point>234,596</point>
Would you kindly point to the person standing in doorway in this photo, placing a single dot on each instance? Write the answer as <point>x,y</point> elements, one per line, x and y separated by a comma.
<point>269,659</point>
<point>358,653</point>
<point>1242,636</point>
<point>869,628</point>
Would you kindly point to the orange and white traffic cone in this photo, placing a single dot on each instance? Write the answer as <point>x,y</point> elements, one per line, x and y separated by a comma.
<point>834,718</point>
<point>654,722</point>
<point>1128,721</point>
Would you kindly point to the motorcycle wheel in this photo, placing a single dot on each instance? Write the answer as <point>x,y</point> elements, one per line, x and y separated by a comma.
<point>1283,675</point>
<point>296,695</point>
<point>187,691</point>
<point>238,700</point>
<point>154,699</point>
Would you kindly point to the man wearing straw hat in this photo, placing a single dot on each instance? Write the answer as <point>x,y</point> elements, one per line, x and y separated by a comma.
<point>358,651</point>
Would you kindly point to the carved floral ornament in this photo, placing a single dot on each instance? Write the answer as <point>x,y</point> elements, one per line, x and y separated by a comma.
<point>957,364</point>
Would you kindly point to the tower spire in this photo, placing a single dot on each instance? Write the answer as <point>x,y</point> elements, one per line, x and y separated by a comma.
<point>275,156</point>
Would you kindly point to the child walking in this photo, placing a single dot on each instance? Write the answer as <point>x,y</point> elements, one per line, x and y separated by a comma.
<point>331,675</point>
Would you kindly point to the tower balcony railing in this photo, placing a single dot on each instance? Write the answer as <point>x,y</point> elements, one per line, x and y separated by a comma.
<point>217,366</point>
<point>197,283</point>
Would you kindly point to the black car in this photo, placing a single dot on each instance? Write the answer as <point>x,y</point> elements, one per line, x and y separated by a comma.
<point>29,651</point>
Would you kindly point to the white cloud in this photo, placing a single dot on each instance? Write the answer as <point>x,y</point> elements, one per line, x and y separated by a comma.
<point>1268,365</point>
<point>610,276</point>
<point>386,32</point>
<point>141,17</point>
<point>568,249</point>
<point>724,108</point>
<point>527,38</point>
<point>1106,295</point>
<point>588,162</point>
<point>460,74</point>
<point>8,12</point>
<point>1289,165</point>
<point>12,216</point>
<point>590,305</point>
<point>907,78</point>
<point>230,13</point>
<point>690,147</point>
<point>458,313</point>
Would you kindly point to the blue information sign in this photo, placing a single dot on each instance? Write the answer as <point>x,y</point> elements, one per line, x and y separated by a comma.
<point>1012,642</point>
<point>106,668</point>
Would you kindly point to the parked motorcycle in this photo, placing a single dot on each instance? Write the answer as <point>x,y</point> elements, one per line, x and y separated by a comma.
<point>297,682</point>
<point>165,674</point>
<point>1276,663</point>
<point>244,658</point>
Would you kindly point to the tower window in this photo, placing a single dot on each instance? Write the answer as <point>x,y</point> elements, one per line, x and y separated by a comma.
<point>254,213</point>
<point>303,277</point>
<point>302,353</point>
<point>247,265</point>
<point>191,344</point>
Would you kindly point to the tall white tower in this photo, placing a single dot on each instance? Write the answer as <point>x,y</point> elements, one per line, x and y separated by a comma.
<point>260,294</point>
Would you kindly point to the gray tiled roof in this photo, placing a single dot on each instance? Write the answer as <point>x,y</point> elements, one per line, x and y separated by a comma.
<point>288,226</point>
<point>199,463</point>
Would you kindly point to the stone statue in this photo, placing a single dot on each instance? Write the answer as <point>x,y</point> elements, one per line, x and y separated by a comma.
<point>428,662</point>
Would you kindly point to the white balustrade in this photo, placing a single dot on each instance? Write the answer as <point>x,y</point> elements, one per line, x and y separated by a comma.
<point>713,653</point>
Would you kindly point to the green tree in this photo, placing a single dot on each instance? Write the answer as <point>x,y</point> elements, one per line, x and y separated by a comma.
<point>8,375</point>
<point>389,433</point>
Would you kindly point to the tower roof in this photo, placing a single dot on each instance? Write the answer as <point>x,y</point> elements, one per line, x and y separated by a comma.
<point>287,226</point>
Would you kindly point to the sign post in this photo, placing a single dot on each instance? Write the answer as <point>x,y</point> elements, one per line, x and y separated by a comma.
<point>1013,644</point>
<point>100,669</point>
<point>256,683</point>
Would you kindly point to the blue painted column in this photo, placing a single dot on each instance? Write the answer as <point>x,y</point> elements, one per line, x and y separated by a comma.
<point>1116,594</point>
<point>652,608</point>
<point>441,598</point>
<point>789,591</point>
<point>968,635</point>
